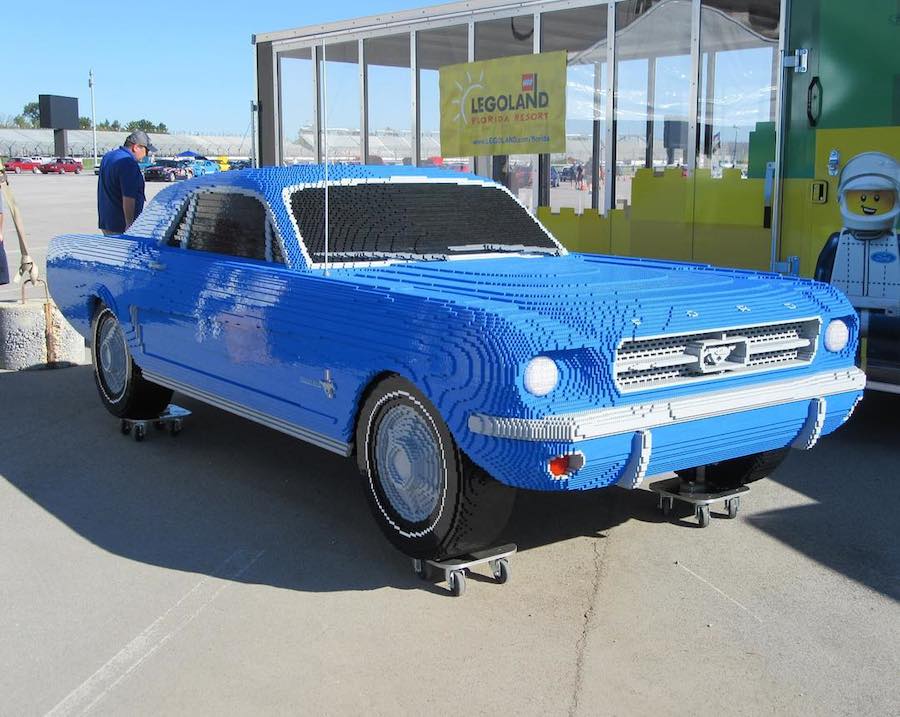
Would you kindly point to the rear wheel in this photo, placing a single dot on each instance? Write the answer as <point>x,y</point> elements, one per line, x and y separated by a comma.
<point>18,170</point>
<point>427,497</point>
<point>35,170</point>
<point>122,388</point>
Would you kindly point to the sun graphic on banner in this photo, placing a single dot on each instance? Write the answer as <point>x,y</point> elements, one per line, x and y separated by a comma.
<point>464,93</point>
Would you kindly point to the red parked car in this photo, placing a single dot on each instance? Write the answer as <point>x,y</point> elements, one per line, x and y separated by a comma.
<point>61,165</point>
<point>22,164</point>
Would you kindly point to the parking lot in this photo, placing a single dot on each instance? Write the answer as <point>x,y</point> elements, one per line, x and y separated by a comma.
<point>234,570</point>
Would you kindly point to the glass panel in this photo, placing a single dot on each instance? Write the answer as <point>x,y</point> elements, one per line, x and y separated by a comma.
<point>229,223</point>
<point>582,33</point>
<point>653,67</point>
<point>738,58</point>
<point>434,49</point>
<point>298,106</point>
<point>653,87</point>
<point>389,114</point>
<point>503,38</point>
<point>340,92</point>
<point>736,147</point>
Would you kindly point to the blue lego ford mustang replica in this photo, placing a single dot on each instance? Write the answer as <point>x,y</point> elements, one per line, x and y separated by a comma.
<point>436,330</point>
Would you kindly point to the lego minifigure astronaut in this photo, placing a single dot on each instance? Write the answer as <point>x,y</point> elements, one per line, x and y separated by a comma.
<point>863,258</point>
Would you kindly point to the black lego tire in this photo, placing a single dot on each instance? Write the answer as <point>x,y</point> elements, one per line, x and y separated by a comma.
<point>136,398</point>
<point>470,508</point>
<point>736,472</point>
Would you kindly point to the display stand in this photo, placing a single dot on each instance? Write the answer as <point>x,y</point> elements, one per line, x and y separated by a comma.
<point>172,418</point>
<point>455,568</point>
<point>699,494</point>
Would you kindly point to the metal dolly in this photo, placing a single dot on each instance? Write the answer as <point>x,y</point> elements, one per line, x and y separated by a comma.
<point>455,568</point>
<point>697,493</point>
<point>173,417</point>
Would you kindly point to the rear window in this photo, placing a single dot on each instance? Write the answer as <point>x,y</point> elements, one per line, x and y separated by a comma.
<point>378,220</point>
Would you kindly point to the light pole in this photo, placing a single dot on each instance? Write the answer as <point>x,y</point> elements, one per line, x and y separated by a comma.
<point>93,114</point>
<point>734,149</point>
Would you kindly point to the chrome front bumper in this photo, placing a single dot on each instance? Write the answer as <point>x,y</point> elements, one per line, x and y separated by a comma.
<point>634,417</point>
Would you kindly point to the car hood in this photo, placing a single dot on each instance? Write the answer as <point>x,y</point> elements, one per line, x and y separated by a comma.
<point>589,295</point>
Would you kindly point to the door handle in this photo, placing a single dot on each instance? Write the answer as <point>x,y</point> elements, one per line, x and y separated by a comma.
<point>156,265</point>
<point>814,97</point>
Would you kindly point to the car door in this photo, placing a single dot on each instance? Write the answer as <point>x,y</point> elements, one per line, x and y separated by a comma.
<point>213,324</point>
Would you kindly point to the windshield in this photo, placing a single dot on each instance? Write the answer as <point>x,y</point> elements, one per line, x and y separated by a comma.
<point>414,221</point>
<point>167,163</point>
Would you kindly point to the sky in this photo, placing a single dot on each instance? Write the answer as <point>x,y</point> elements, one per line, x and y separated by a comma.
<point>188,64</point>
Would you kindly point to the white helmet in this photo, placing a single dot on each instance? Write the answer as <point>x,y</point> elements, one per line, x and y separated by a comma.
<point>870,172</point>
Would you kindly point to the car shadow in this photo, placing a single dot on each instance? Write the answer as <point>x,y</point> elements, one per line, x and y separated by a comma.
<point>226,485</point>
<point>851,477</point>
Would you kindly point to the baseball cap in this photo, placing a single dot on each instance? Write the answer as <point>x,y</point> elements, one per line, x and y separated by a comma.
<point>140,137</point>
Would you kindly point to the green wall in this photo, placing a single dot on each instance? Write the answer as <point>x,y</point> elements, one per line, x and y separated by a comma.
<point>855,51</point>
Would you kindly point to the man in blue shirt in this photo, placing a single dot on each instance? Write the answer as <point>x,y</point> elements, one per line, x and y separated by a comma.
<point>120,189</point>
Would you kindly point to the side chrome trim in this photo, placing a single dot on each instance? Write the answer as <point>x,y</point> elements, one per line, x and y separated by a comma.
<point>317,439</point>
<point>601,422</point>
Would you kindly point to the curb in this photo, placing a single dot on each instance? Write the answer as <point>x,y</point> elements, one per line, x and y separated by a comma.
<point>24,339</point>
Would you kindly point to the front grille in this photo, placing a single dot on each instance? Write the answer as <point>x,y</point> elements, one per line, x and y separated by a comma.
<point>677,359</point>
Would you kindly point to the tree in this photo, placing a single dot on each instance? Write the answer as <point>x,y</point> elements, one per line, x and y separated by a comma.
<point>22,122</point>
<point>84,122</point>
<point>147,126</point>
<point>32,113</point>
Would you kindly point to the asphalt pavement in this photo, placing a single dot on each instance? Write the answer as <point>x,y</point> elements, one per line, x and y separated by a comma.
<point>234,570</point>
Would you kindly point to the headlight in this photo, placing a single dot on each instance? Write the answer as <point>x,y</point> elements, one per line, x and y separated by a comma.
<point>837,335</point>
<point>541,376</point>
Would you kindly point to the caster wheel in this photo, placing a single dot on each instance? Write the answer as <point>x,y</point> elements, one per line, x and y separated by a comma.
<point>457,583</point>
<point>421,569</point>
<point>667,505</point>
<point>733,506</point>
<point>500,569</point>
<point>139,433</point>
<point>703,515</point>
<point>125,427</point>
<point>175,428</point>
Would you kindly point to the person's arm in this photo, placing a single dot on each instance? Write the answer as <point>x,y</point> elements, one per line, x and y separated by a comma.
<point>128,211</point>
<point>132,183</point>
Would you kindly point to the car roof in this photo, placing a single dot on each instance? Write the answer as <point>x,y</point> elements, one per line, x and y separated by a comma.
<point>271,182</point>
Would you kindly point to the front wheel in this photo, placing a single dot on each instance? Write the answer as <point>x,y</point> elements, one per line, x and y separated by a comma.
<point>427,496</point>
<point>122,388</point>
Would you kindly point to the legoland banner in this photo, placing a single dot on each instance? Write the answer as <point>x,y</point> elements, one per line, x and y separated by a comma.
<point>512,105</point>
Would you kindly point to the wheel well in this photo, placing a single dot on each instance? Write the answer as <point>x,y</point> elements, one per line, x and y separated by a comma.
<point>363,397</point>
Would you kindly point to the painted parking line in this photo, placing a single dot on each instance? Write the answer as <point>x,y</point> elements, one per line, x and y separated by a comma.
<point>90,692</point>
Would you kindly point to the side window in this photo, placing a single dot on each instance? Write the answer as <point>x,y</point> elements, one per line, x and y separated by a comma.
<point>227,223</point>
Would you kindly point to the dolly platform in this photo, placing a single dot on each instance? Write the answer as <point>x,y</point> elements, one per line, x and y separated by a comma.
<point>699,494</point>
<point>173,418</point>
<point>455,568</point>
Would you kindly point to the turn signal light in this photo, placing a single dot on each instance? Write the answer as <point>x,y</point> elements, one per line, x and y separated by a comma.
<point>559,466</point>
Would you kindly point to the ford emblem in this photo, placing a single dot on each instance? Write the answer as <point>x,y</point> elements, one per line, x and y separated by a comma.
<point>884,257</point>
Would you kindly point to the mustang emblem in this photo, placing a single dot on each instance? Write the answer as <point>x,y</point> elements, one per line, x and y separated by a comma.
<point>716,355</point>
